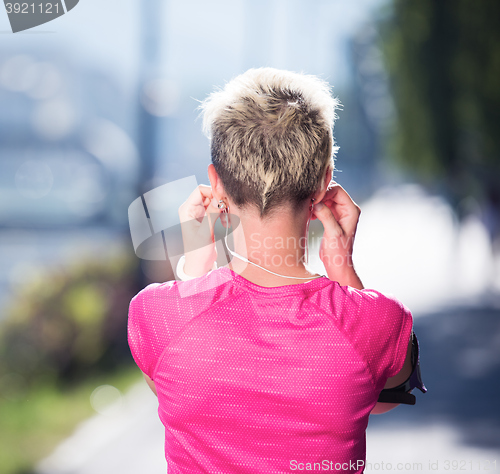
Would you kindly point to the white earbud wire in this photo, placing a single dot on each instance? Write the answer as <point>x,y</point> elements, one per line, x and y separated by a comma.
<point>241,257</point>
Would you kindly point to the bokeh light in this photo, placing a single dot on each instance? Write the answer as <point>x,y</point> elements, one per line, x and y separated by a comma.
<point>112,146</point>
<point>54,119</point>
<point>34,179</point>
<point>161,97</point>
<point>107,400</point>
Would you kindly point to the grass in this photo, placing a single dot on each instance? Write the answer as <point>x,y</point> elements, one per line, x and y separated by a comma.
<point>32,425</point>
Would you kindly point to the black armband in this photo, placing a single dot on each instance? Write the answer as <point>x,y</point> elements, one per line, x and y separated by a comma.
<point>400,394</point>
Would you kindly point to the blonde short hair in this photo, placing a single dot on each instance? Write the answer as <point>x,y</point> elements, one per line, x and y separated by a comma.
<point>271,136</point>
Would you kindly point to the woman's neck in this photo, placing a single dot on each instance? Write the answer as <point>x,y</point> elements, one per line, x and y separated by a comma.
<point>278,244</point>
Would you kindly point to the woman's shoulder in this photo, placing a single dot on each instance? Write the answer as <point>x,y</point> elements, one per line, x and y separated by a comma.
<point>367,297</point>
<point>362,311</point>
<point>176,293</point>
<point>152,288</point>
<point>375,322</point>
<point>149,294</point>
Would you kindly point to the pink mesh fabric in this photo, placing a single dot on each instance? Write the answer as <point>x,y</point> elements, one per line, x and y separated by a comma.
<point>265,380</point>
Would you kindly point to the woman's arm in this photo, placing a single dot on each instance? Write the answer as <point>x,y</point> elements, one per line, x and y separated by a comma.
<point>339,215</point>
<point>197,216</point>
<point>398,379</point>
<point>150,383</point>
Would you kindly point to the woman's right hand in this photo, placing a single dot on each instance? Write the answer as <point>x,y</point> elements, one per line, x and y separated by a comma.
<point>339,215</point>
<point>198,215</point>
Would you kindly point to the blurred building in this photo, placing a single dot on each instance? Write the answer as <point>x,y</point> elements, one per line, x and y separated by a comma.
<point>66,153</point>
<point>68,163</point>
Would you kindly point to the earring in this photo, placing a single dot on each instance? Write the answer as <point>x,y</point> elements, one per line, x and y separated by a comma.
<point>224,210</point>
<point>222,206</point>
<point>311,207</point>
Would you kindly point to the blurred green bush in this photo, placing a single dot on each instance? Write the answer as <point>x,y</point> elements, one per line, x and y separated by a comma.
<point>68,325</point>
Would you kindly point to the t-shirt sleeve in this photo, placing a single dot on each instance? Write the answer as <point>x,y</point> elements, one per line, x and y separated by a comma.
<point>399,327</point>
<point>381,327</point>
<point>161,310</point>
<point>143,336</point>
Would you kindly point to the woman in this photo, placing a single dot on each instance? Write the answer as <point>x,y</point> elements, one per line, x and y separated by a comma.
<point>263,366</point>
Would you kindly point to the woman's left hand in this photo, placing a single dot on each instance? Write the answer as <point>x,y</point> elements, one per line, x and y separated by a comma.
<point>339,215</point>
<point>198,215</point>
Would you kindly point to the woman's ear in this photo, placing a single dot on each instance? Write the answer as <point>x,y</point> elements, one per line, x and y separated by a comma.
<point>328,177</point>
<point>320,194</point>
<point>215,182</point>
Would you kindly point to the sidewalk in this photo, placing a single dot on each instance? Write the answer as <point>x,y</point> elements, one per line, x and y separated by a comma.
<point>128,440</point>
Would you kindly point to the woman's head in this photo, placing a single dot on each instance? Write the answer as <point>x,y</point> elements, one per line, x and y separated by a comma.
<point>271,137</point>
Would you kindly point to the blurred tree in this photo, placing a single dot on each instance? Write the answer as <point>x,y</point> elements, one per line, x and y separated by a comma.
<point>443,58</point>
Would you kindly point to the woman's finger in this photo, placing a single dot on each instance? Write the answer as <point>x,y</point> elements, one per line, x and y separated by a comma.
<point>325,215</point>
<point>199,195</point>
<point>339,195</point>
<point>206,191</point>
<point>344,209</point>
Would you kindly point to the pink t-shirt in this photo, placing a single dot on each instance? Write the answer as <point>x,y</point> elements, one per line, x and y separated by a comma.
<point>266,380</point>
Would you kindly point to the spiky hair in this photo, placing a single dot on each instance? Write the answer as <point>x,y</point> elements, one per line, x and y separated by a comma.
<point>271,136</point>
